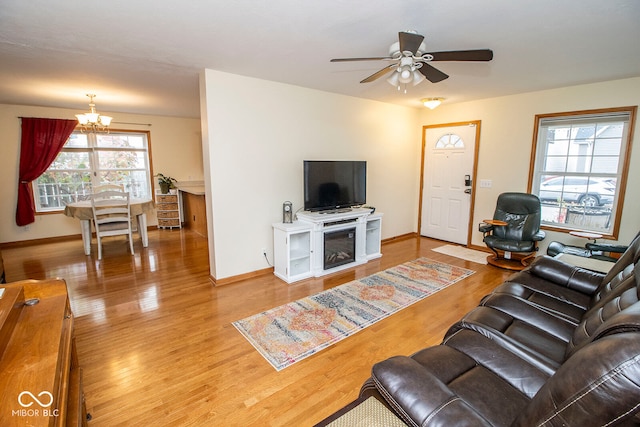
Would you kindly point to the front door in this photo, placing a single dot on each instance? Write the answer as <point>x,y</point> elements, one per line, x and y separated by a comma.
<point>448,171</point>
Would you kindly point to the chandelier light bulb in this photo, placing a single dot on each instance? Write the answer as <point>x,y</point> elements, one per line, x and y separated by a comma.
<point>406,75</point>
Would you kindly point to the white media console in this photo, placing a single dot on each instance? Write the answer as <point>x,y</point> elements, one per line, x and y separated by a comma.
<point>322,243</point>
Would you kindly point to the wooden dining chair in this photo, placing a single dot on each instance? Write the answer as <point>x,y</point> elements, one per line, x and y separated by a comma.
<point>114,187</point>
<point>107,187</point>
<point>111,216</point>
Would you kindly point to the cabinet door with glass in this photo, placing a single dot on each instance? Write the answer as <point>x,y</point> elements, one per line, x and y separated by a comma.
<point>292,251</point>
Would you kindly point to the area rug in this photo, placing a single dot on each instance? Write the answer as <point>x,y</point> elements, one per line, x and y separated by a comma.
<point>463,253</point>
<point>287,334</point>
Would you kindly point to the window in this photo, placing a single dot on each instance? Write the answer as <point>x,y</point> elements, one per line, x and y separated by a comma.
<point>580,168</point>
<point>449,140</point>
<point>93,159</point>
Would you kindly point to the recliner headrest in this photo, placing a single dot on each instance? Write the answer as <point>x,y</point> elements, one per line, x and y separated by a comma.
<point>518,203</point>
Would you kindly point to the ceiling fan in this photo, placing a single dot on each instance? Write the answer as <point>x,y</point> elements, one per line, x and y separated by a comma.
<point>410,61</point>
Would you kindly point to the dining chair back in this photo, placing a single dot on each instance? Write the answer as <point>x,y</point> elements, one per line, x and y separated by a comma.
<point>111,216</point>
<point>107,187</point>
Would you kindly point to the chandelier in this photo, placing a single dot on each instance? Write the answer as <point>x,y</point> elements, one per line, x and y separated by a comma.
<point>92,121</point>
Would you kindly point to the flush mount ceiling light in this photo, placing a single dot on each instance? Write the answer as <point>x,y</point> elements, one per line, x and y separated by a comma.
<point>431,102</point>
<point>92,121</point>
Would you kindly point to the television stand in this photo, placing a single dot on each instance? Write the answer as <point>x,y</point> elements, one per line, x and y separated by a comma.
<point>320,243</point>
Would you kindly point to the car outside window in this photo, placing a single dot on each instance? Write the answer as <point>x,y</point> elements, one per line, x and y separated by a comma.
<point>580,162</point>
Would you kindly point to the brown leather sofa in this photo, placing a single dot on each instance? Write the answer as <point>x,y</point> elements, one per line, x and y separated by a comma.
<point>555,345</point>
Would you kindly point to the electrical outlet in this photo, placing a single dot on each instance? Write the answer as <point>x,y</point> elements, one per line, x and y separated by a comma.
<point>264,251</point>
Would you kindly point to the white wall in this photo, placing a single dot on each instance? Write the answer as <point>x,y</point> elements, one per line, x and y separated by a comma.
<point>175,148</point>
<point>257,135</point>
<point>507,136</point>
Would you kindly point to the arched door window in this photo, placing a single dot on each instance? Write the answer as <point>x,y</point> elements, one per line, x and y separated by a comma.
<point>449,141</point>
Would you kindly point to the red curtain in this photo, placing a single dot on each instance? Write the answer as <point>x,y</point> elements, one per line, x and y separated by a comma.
<point>42,140</point>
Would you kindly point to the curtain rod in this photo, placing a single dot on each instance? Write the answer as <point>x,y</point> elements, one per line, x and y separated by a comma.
<point>126,123</point>
<point>120,123</point>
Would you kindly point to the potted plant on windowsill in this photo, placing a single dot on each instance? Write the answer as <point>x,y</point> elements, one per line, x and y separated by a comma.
<point>166,183</point>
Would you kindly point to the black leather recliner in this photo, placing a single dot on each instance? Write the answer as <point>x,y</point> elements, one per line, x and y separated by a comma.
<point>514,232</point>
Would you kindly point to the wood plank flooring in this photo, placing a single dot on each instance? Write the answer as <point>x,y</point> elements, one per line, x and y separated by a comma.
<point>157,346</point>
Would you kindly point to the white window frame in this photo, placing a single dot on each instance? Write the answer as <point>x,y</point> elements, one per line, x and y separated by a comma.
<point>59,194</point>
<point>564,215</point>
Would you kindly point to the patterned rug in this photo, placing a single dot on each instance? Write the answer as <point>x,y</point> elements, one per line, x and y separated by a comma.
<point>287,334</point>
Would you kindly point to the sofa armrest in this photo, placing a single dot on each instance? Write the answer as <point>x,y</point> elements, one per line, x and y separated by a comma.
<point>567,275</point>
<point>606,247</point>
<point>418,396</point>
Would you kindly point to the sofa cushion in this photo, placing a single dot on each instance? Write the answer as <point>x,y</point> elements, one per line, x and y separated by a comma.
<point>599,385</point>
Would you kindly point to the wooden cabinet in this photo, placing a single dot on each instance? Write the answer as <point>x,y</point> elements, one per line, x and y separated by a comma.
<point>40,378</point>
<point>195,212</point>
<point>169,209</point>
<point>2,277</point>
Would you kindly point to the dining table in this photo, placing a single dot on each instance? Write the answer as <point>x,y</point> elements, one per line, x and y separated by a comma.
<point>82,210</point>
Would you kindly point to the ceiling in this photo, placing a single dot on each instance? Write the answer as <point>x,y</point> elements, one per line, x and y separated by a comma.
<point>144,56</point>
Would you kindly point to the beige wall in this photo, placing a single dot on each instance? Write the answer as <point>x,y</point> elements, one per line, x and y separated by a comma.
<point>257,135</point>
<point>175,146</point>
<point>507,135</point>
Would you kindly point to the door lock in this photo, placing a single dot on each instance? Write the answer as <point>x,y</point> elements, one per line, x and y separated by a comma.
<point>467,180</point>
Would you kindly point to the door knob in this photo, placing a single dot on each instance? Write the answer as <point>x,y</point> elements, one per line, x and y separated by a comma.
<point>468,191</point>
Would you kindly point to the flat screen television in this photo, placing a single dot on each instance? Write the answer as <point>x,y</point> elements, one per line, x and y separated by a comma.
<point>334,184</point>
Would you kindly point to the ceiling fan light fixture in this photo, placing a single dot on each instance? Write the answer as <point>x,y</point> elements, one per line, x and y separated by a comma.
<point>431,102</point>
<point>406,75</point>
<point>417,78</point>
<point>394,79</point>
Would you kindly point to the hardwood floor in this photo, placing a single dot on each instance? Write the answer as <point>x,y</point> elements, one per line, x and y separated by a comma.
<point>157,346</point>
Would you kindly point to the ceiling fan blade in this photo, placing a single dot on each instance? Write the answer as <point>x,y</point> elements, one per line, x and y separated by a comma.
<point>463,55</point>
<point>378,74</point>
<point>377,58</point>
<point>432,74</point>
<point>409,41</point>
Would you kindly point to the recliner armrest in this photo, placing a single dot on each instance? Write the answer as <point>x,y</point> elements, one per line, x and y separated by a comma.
<point>606,247</point>
<point>567,275</point>
<point>484,227</point>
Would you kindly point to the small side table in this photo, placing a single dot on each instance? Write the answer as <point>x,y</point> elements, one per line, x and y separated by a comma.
<point>587,235</point>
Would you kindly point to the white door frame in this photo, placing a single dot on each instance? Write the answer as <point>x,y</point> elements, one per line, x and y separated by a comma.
<point>473,177</point>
